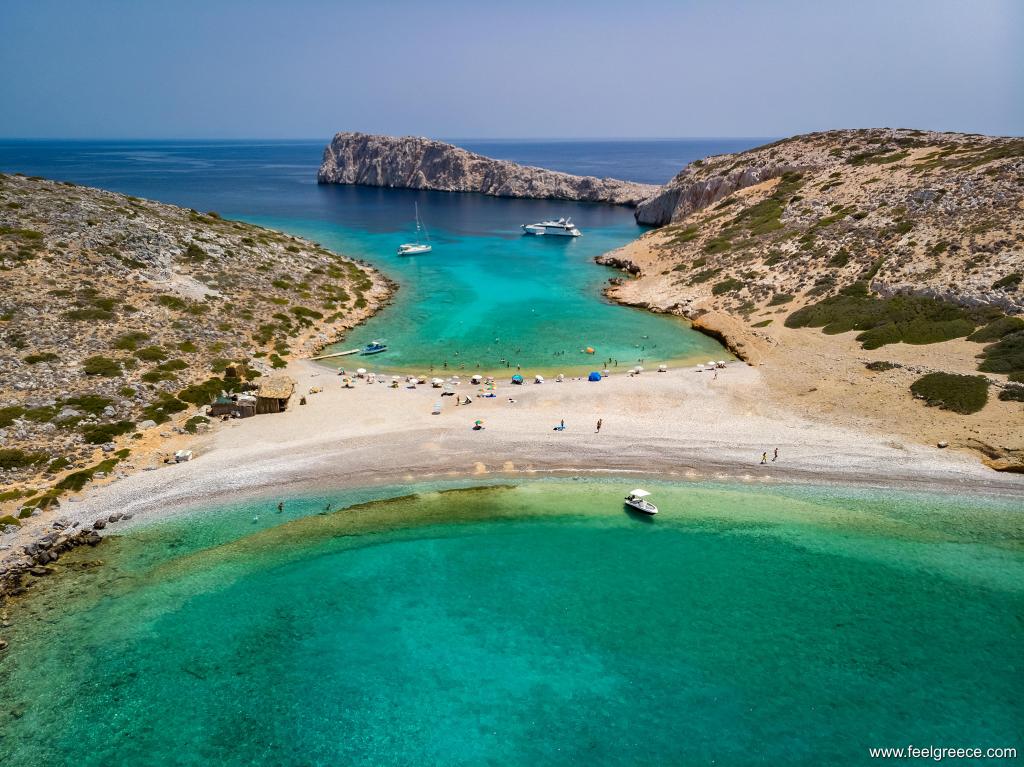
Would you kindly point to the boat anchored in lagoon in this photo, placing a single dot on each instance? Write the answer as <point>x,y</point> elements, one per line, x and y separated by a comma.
<point>375,347</point>
<point>638,500</point>
<point>417,247</point>
<point>563,227</point>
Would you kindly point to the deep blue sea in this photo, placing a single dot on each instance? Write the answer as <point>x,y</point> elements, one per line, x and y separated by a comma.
<point>486,297</point>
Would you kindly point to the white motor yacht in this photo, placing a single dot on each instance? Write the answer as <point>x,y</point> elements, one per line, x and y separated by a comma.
<point>563,227</point>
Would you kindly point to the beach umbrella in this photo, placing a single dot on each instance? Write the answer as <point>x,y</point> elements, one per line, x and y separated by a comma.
<point>517,379</point>
<point>590,350</point>
<point>699,368</point>
<point>606,372</point>
<point>361,372</point>
<point>721,363</point>
<point>639,369</point>
<point>594,376</point>
<point>710,363</point>
<point>395,378</point>
<point>662,368</point>
<point>538,379</point>
<point>478,422</point>
<point>560,377</point>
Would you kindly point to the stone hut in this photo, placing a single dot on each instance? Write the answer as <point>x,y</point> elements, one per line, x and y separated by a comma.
<point>273,394</point>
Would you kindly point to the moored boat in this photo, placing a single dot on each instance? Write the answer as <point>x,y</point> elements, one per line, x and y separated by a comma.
<point>417,247</point>
<point>563,227</point>
<point>638,500</point>
<point>375,347</point>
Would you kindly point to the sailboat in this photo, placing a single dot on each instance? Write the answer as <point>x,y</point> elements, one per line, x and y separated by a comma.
<point>417,247</point>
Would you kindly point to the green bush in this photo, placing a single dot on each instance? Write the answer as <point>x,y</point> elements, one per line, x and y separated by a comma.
<point>193,423</point>
<point>100,433</point>
<point>163,408</point>
<point>204,393</point>
<point>949,391</point>
<point>1009,282</point>
<point>9,414</point>
<point>1004,356</point>
<point>728,285</point>
<point>101,366</point>
<point>93,404</point>
<point>89,313</point>
<point>187,347</point>
<point>906,319</point>
<point>12,458</point>
<point>880,366</point>
<point>1012,394</point>
<point>780,298</point>
<point>34,359</point>
<point>130,341</point>
<point>998,328</point>
<point>151,354</point>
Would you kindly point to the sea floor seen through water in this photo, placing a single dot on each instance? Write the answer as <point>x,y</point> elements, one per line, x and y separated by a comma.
<point>530,624</point>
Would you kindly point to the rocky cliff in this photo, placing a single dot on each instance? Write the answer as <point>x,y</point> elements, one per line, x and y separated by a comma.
<point>419,163</point>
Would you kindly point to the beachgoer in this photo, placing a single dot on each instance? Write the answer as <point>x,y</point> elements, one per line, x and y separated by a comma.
<point>764,457</point>
<point>280,506</point>
<point>776,456</point>
<point>561,423</point>
<point>598,426</point>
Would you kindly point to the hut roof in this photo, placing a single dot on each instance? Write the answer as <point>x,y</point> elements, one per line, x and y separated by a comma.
<point>278,387</point>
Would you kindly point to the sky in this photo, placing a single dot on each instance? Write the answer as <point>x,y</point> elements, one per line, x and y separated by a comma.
<point>511,69</point>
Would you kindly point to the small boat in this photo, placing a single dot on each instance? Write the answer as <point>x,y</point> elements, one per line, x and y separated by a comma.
<point>375,347</point>
<point>417,247</point>
<point>637,500</point>
<point>563,227</point>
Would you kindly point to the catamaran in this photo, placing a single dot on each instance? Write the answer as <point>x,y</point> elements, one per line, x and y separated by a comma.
<point>417,247</point>
<point>638,500</point>
<point>563,227</point>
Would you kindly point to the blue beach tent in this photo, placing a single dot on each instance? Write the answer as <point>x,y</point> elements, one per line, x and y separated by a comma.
<point>517,379</point>
<point>594,376</point>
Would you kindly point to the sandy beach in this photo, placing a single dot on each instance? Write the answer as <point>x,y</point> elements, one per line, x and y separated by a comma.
<point>679,423</point>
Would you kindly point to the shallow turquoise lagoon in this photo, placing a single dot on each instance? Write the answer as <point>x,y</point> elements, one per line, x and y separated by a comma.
<point>488,297</point>
<point>529,624</point>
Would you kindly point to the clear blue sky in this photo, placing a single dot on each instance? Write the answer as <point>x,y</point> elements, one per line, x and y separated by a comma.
<point>518,68</point>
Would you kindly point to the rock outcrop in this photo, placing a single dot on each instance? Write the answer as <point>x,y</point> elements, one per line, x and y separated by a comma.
<point>419,163</point>
<point>685,193</point>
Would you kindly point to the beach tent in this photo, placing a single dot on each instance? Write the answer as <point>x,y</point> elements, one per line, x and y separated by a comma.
<point>538,379</point>
<point>594,376</point>
<point>517,379</point>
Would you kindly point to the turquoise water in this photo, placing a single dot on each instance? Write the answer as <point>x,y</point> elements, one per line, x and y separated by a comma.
<point>486,298</point>
<point>531,624</point>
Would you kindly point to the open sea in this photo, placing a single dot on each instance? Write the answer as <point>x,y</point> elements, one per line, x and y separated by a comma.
<point>532,622</point>
<point>486,297</point>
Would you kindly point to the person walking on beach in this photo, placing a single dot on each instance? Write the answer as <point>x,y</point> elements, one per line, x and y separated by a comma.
<point>776,456</point>
<point>599,421</point>
<point>764,457</point>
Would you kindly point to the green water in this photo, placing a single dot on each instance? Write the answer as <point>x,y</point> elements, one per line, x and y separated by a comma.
<point>535,624</point>
<point>489,298</point>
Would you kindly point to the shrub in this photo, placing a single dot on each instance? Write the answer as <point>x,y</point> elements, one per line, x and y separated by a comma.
<point>151,354</point>
<point>879,366</point>
<point>949,391</point>
<point>101,366</point>
<point>998,328</point>
<point>193,423</point>
<point>780,298</point>
<point>187,347</point>
<point>34,359</point>
<point>89,313</point>
<point>704,276</point>
<point>1009,282</point>
<point>906,319</point>
<point>202,394</point>
<point>1012,394</point>
<point>100,433</point>
<point>162,408</point>
<point>728,285</point>
<point>171,365</point>
<point>762,324</point>
<point>130,341</point>
<point>1004,356</point>
<point>93,404</point>
<point>12,458</point>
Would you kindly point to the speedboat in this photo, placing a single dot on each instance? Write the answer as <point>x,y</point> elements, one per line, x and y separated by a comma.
<point>563,227</point>
<point>376,347</point>
<point>638,500</point>
<point>417,247</point>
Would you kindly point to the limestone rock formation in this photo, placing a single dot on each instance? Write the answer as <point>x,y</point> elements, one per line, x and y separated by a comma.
<point>419,163</point>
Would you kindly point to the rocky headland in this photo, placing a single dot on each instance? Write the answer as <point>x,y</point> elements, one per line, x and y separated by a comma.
<point>410,162</point>
<point>865,269</point>
<point>122,318</point>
